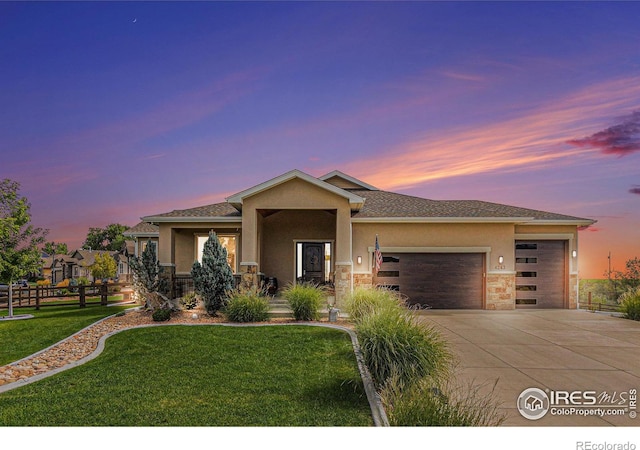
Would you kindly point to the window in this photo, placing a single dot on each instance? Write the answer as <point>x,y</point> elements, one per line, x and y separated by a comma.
<point>394,259</point>
<point>388,273</point>
<point>228,241</point>
<point>526,301</point>
<point>152,243</point>
<point>527,260</point>
<point>526,246</point>
<point>527,274</point>
<point>526,288</point>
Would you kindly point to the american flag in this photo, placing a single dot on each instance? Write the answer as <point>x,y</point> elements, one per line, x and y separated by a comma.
<point>377,257</point>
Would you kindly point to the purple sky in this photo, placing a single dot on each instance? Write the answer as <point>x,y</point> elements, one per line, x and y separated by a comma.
<point>112,111</point>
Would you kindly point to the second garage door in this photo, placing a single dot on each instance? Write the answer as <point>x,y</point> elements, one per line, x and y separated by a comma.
<point>437,280</point>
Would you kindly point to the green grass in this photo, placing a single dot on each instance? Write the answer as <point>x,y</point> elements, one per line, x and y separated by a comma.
<point>203,376</point>
<point>21,338</point>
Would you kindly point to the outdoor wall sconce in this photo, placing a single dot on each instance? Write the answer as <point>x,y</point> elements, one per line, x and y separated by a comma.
<point>500,259</point>
<point>574,253</point>
<point>359,259</point>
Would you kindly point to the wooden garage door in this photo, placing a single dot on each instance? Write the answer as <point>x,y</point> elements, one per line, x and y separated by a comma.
<point>438,280</point>
<point>541,274</point>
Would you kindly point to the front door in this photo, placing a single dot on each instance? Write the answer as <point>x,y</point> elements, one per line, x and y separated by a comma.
<point>313,262</point>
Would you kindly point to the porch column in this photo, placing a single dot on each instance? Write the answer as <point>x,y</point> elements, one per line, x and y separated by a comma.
<point>166,255</point>
<point>344,260</point>
<point>250,248</point>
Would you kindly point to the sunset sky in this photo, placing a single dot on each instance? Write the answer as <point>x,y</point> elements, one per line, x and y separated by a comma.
<point>113,111</point>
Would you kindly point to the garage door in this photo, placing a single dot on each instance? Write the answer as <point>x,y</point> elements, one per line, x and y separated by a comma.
<point>438,280</point>
<point>541,274</point>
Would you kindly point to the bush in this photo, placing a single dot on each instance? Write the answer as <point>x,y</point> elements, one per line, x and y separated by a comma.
<point>213,279</point>
<point>364,301</point>
<point>630,304</point>
<point>43,282</point>
<point>189,301</point>
<point>393,344</point>
<point>430,403</point>
<point>305,300</point>
<point>161,315</point>
<point>63,283</point>
<point>247,307</point>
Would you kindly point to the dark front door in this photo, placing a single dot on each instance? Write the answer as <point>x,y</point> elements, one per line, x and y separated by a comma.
<point>313,262</point>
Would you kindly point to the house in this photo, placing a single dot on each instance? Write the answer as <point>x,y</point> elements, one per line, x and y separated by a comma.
<point>441,254</point>
<point>81,261</point>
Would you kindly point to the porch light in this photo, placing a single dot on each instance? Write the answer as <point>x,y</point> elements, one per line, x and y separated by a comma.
<point>500,259</point>
<point>574,253</point>
<point>359,259</point>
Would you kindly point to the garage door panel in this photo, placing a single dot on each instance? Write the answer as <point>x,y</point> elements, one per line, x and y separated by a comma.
<point>540,274</point>
<point>440,280</point>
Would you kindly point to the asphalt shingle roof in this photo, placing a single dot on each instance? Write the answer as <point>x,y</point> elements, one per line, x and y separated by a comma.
<point>142,227</point>
<point>215,210</point>
<point>390,204</point>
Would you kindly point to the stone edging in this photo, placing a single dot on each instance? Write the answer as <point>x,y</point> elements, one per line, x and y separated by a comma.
<point>377,410</point>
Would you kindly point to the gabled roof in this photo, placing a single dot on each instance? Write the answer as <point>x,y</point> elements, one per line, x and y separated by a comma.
<point>353,182</point>
<point>237,199</point>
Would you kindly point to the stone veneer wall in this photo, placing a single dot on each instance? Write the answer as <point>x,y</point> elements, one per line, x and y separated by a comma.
<point>501,291</point>
<point>248,277</point>
<point>362,279</point>
<point>342,283</point>
<point>573,291</point>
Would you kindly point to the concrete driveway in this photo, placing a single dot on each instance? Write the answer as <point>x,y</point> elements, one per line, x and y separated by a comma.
<point>553,350</point>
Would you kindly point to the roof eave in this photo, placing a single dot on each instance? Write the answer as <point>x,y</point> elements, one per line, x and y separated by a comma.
<point>160,219</point>
<point>142,234</point>
<point>572,222</point>
<point>441,219</point>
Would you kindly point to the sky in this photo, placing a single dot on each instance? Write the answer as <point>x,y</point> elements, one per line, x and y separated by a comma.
<point>110,111</point>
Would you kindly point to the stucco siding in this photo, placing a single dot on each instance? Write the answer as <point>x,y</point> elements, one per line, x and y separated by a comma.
<point>499,238</point>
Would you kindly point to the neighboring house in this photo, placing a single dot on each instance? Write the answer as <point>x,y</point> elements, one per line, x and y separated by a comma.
<point>77,264</point>
<point>442,254</point>
<point>84,259</point>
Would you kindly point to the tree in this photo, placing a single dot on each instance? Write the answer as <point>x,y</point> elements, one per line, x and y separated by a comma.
<point>213,278</point>
<point>103,267</point>
<point>626,280</point>
<point>109,238</point>
<point>146,273</point>
<point>19,240</point>
<point>55,248</point>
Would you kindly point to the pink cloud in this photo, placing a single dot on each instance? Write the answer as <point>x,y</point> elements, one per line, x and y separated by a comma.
<point>635,189</point>
<point>621,139</point>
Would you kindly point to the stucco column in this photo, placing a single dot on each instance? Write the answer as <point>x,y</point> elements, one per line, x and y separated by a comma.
<point>250,251</point>
<point>166,255</point>
<point>344,263</point>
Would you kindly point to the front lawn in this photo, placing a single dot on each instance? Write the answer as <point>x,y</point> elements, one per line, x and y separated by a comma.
<point>21,338</point>
<point>203,376</point>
